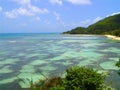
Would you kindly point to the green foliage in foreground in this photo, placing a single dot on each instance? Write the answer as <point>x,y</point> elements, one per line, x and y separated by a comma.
<point>54,83</point>
<point>81,78</point>
<point>118,63</point>
<point>77,78</point>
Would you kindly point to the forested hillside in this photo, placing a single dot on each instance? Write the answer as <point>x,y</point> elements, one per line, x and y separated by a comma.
<point>109,25</point>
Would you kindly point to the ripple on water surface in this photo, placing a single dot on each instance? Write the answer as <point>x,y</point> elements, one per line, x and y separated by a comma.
<point>51,54</point>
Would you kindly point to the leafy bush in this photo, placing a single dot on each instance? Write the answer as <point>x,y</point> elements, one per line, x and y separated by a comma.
<point>48,84</point>
<point>77,78</point>
<point>81,78</point>
<point>118,63</point>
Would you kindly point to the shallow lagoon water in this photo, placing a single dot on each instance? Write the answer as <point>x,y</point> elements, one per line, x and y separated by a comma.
<point>27,56</point>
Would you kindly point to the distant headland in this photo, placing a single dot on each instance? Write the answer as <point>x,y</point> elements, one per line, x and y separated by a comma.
<point>107,26</point>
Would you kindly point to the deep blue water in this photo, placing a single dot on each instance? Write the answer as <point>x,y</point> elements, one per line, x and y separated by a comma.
<point>26,56</point>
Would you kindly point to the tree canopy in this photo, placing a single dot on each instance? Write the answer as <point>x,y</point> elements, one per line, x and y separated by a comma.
<point>108,25</point>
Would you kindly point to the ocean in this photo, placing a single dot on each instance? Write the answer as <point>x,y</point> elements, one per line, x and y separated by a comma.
<point>31,56</point>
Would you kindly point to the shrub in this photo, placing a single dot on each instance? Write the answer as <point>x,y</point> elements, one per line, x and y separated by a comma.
<point>48,84</point>
<point>77,78</point>
<point>118,63</point>
<point>81,78</point>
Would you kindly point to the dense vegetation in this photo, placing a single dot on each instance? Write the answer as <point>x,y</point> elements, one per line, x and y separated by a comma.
<point>109,25</point>
<point>78,30</point>
<point>118,63</point>
<point>81,78</point>
<point>77,78</point>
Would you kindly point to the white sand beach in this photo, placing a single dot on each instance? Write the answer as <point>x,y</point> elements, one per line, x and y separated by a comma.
<point>113,37</point>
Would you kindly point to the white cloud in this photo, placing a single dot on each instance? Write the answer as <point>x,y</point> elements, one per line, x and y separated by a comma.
<point>17,12</point>
<point>58,19</point>
<point>80,2</point>
<point>96,19</point>
<point>57,16</point>
<point>86,22</point>
<point>0,9</point>
<point>26,9</point>
<point>59,2</point>
<point>113,14</point>
<point>90,21</point>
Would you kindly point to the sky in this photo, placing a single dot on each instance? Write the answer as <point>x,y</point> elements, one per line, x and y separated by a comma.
<point>45,16</point>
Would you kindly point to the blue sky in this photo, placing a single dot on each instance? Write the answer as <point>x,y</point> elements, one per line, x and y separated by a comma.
<point>27,16</point>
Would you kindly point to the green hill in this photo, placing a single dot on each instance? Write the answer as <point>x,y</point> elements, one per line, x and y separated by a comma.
<point>109,25</point>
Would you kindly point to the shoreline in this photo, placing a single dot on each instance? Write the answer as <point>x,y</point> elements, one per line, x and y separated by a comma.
<point>108,36</point>
<point>81,35</point>
<point>112,37</point>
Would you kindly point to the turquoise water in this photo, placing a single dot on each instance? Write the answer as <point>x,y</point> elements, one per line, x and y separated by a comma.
<point>27,56</point>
